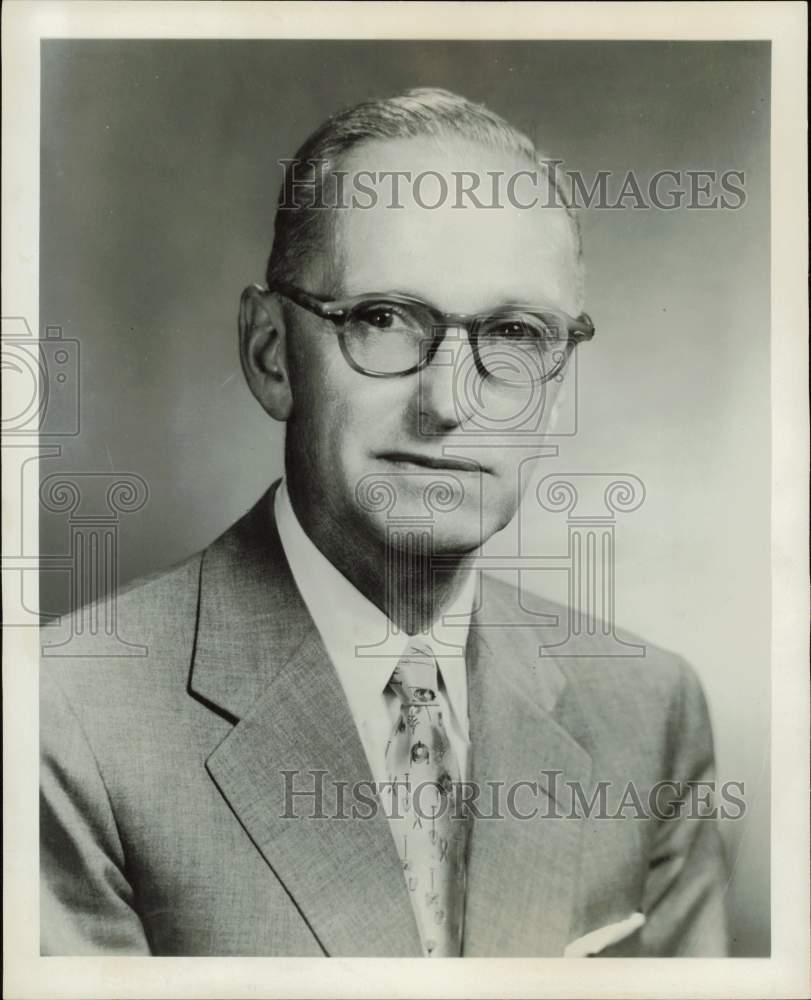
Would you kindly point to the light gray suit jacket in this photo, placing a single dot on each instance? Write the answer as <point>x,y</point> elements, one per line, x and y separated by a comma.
<point>162,820</point>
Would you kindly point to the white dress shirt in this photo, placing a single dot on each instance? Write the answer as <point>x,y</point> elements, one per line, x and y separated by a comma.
<point>364,646</point>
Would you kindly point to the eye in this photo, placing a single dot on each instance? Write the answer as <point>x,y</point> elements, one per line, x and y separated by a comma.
<point>380,317</point>
<point>512,329</point>
<point>519,326</point>
<point>383,316</point>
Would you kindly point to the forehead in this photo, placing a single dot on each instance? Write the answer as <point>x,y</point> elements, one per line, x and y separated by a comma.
<point>458,255</point>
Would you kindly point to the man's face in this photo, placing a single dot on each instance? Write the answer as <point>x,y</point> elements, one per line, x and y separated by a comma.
<point>349,432</point>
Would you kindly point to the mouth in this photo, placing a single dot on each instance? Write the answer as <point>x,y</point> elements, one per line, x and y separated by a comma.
<point>431,462</point>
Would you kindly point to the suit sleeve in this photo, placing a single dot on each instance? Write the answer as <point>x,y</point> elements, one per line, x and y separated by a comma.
<point>687,874</point>
<point>86,902</point>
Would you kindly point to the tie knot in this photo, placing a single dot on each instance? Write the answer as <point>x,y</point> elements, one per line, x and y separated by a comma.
<point>415,677</point>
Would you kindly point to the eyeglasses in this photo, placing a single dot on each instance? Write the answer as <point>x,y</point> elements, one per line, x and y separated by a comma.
<point>391,335</point>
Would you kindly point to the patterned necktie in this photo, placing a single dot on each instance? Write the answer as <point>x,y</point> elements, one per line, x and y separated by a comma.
<point>429,827</point>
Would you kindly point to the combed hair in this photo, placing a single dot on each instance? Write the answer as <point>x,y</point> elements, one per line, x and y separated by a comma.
<point>299,226</point>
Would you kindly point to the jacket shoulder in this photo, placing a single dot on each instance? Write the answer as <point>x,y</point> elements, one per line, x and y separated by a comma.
<point>606,662</point>
<point>136,638</point>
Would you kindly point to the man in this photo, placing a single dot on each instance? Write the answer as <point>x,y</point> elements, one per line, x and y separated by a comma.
<point>345,739</point>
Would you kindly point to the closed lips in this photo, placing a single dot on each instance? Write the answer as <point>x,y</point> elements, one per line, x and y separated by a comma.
<point>429,462</point>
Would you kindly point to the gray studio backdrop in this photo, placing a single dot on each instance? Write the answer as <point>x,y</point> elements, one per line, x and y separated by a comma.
<point>159,176</point>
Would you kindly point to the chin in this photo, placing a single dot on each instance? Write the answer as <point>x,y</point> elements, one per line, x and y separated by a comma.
<point>430,512</point>
<point>461,533</point>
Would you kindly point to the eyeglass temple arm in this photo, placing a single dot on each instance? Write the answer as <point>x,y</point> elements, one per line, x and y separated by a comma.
<point>582,328</point>
<point>323,309</point>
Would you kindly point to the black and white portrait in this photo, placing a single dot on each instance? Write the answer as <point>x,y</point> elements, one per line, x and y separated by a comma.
<point>404,493</point>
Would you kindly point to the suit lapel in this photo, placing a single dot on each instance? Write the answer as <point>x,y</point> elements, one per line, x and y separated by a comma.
<point>260,661</point>
<point>522,873</point>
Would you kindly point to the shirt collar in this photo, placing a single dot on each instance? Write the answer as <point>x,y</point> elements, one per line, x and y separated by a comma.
<point>358,636</point>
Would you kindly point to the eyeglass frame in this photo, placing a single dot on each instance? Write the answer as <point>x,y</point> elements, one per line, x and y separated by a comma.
<point>578,329</point>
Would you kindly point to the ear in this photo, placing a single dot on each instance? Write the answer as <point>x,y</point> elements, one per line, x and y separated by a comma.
<point>263,351</point>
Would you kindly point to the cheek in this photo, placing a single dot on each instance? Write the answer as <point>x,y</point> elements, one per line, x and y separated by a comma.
<point>515,414</point>
<point>321,403</point>
<point>352,416</point>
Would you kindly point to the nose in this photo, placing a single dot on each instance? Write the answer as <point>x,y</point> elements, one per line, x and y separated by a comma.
<point>442,383</point>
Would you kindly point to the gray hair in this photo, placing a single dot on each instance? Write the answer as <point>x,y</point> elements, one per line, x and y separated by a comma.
<point>422,112</point>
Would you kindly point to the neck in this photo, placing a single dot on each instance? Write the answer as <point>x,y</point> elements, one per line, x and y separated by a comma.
<point>410,583</point>
<point>417,586</point>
